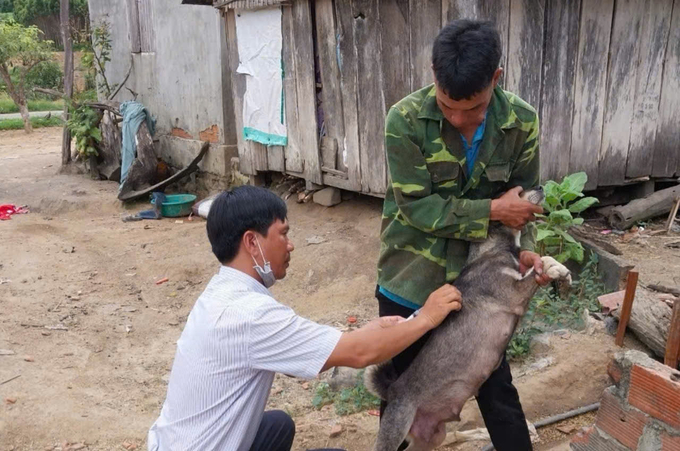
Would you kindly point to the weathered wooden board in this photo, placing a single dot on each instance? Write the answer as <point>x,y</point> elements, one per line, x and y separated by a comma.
<point>525,50</point>
<point>347,65</point>
<point>557,103</point>
<point>146,31</point>
<point>425,22</point>
<point>238,85</point>
<point>396,47</point>
<point>276,159</point>
<point>621,78</point>
<point>133,26</point>
<point>497,11</point>
<point>590,90</point>
<point>370,95</point>
<point>305,82</point>
<point>292,151</point>
<point>331,95</point>
<point>652,41</point>
<point>667,144</point>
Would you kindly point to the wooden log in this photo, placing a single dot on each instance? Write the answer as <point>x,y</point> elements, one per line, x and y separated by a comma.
<point>590,89</point>
<point>652,42</point>
<point>664,289</point>
<point>650,320</point>
<point>673,342</point>
<point>193,167</point>
<point>657,204</point>
<point>143,168</point>
<point>557,103</point>
<point>672,214</point>
<point>667,144</point>
<point>624,50</point>
<point>627,306</point>
<point>370,96</point>
<point>109,149</point>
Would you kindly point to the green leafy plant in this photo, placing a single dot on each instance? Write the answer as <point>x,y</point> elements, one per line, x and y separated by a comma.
<point>21,50</point>
<point>98,56</point>
<point>84,125</point>
<point>347,400</point>
<point>549,311</point>
<point>562,202</point>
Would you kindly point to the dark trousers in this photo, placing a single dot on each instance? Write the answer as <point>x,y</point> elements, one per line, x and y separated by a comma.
<point>276,433</point>
<point>497,398</point>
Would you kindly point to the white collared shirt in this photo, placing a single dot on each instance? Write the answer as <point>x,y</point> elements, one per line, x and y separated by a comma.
<point>236,337</point>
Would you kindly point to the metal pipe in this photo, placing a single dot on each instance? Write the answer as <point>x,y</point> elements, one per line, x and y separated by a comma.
<point>555,418</point>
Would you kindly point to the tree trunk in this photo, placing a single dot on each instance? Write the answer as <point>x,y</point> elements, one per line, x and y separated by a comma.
<point>656,204</point>
<point>68,78</point>
<point>23,109</point>
<point>17,96</point>
<point>650,320</point>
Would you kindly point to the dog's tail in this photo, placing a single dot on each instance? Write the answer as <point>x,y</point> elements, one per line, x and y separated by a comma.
<point>378,378</point>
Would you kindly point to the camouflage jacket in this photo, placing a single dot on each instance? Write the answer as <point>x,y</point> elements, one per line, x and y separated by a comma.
<point>433,208</point>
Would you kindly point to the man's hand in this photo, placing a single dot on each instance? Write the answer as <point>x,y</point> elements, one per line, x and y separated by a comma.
<point>384,322</point>
<point>528,259</point>
<point>513,211</point>
<point>440,303</point>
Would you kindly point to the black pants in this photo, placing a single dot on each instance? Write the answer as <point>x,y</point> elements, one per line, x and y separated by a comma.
<point>497,398</point>
<point>276,433</point>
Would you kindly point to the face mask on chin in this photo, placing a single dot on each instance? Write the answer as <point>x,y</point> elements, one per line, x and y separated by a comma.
<point>265,273</point>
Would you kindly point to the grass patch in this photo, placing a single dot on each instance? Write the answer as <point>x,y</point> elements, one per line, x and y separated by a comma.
<point>36,122</point>
<point>549,311</point>
<point>347,400</point>
<point>7,105</point>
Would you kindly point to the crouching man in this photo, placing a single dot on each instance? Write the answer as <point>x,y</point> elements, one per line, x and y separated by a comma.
<point>237,336</point>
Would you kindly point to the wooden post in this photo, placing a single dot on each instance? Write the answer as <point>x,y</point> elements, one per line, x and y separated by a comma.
<point>673,343</point>
<point>631,285</point>
<point>673,213</point>
<point>68,78</point>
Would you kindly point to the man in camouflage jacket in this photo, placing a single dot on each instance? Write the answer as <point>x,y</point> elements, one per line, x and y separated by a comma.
<point>459,153</point>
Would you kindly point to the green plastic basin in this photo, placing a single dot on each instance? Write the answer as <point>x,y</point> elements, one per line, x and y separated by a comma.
<point>176,205</point>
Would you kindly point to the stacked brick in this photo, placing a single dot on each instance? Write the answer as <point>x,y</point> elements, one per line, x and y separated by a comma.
<point>641,412</point>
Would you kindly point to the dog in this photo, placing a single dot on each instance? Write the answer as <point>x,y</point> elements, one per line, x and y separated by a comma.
<point>466,348</point>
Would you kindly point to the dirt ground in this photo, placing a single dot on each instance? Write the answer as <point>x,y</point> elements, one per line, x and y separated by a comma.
<point>71,263</point>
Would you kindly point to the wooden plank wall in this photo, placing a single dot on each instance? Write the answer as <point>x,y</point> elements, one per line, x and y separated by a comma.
<point>604,76</point>
<point>591,78</point>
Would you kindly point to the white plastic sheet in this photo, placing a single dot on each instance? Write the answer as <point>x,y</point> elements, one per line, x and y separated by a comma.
<point>260,43</point>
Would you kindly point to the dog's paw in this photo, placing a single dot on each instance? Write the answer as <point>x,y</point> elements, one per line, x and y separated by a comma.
<point>556,270</point>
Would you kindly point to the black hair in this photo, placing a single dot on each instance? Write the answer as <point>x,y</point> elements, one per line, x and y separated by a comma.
<point>465,57</point>
<point>234,212</point>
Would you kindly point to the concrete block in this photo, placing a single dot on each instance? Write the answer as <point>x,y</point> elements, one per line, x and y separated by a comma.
<point>623,424</point>
<point>653,392</point>
<point>592,439</point>
<point>328,197</point>
<point>615,371</point>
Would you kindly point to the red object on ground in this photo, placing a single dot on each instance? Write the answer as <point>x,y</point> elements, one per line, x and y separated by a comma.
<point>352,319</point>
<point>163,280</point>
<point>7,210</point>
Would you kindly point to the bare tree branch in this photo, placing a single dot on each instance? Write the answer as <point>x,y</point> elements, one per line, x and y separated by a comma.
<point>123,82</point>
<point>50,92</point>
